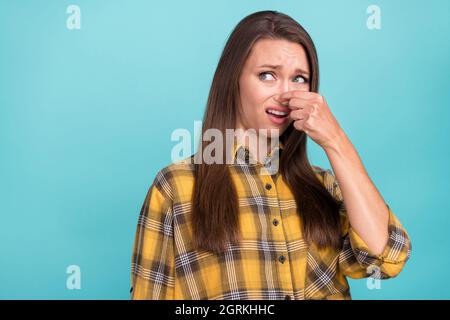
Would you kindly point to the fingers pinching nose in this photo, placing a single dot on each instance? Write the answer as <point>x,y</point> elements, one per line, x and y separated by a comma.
<point>280,97</point>
<point>282,100</point>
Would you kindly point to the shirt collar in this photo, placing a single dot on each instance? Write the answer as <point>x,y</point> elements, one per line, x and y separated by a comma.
<point>242,153</point>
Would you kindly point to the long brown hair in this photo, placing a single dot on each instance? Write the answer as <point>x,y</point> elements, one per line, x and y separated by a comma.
<point>214,203</point>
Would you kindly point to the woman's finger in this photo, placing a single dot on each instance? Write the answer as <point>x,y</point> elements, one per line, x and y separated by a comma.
<point>296,103</point>
<point>300,94</point>
<point>299,124</point>
<point>307,109</point>
<point>299,114</point>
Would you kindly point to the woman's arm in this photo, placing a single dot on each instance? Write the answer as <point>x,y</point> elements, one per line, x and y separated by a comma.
<point>356,260</point>
<point>366,209</point>
<point>153,262</point>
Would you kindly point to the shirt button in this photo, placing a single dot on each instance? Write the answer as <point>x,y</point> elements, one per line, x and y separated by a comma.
<point>275,222</point>
<point>281,258</point>
<point>246,156</point>
<point>268,186</point>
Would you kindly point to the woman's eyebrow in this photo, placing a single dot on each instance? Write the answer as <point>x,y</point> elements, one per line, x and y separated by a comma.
<point>279,67</point>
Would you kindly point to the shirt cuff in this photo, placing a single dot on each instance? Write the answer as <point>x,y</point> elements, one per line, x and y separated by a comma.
<point>396,251</point>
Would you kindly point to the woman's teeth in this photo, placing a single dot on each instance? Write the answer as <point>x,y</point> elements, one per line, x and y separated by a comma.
<point>277,113</point>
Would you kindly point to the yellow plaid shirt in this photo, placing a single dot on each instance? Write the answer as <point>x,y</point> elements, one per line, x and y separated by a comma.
<point>271,262</point>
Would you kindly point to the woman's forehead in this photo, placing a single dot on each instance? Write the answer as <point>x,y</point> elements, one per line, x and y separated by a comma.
<point>278,53</point>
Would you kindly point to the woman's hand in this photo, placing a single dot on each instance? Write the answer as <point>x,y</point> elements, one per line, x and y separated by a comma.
<point>366,209</point>
<point>311,114</point>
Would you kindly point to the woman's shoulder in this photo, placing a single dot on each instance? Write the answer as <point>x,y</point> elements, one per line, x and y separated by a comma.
<point>322,172</point>
<point>318,169</point>
<point>176,179</point>
<point>326,177</point>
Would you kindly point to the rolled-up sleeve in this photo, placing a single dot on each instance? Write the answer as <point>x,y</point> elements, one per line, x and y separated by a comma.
<point>356,259</point>
<point>356,254</point>
<point>152,267</point>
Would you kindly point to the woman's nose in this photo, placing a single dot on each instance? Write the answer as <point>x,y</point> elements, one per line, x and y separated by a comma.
<point>278,98</point>
<point>284,86</point>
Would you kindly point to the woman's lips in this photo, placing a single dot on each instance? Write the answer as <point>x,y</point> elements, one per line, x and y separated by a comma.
<point>277,119</point>
<point>278,108</point>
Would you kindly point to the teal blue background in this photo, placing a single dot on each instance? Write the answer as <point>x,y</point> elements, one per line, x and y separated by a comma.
<point>86,117</point>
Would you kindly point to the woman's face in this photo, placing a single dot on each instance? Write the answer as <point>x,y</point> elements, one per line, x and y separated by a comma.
<point>273,67</point>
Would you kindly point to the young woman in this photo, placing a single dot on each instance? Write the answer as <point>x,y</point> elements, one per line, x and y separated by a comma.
<point>229,231</point>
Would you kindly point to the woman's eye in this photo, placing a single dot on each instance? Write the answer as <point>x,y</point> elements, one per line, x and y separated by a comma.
<point>261,75</point>
<point>303,79</point>
<point>267,75</point>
